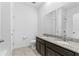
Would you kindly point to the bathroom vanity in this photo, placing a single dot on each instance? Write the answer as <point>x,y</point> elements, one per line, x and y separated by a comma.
<point>52,47</point>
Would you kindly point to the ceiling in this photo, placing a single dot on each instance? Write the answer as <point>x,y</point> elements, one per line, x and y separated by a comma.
<point>71,5</point>
<point>34,4</point>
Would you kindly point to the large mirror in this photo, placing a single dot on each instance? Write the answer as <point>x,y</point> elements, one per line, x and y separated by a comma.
<point>53,22</point>
<point>71,21</point>
<point>50,23</point>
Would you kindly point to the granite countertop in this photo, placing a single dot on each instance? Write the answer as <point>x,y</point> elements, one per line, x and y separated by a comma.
<point>73,46</point>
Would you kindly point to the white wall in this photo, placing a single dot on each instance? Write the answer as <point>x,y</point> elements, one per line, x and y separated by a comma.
<point>24,25</point>
<point>0,21</point>
<point>5,25</point>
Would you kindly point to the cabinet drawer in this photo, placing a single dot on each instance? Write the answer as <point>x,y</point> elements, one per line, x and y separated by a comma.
<point>50,52</point>
<point>76,54</point>
<point>62,51</point>
<point>50,45</point>
<point>40,40</point>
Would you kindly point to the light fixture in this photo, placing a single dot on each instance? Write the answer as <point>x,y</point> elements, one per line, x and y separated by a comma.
<point>33,2</point>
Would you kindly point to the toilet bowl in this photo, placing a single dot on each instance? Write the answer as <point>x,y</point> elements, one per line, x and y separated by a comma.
<point>32,44</point>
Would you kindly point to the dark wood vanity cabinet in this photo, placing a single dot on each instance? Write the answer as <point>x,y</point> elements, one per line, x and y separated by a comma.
<point>42,49</point>
<point>76,54</point>
<point>60,50</point>
<point>40,46</point>
<point>46,48</point>
<point>50,52</point>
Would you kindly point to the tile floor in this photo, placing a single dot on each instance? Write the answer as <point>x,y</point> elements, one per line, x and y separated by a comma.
<point>25,52</point>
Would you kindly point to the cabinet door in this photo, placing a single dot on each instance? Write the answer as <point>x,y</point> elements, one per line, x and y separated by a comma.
<point>40,40</point>
<point>42,50</point>
<point>76,54</point>
<point>50,52</point>
<point>40,47</point>
<point>37,46</point>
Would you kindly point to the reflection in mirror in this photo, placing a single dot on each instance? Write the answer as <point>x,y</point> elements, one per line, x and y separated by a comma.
<point>50,23</point>
<point>71,13</point>
<point>76,25</point>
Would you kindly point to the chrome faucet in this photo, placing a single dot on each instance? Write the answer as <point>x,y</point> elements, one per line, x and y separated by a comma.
<point>46,35</point>
<point>64,38</point>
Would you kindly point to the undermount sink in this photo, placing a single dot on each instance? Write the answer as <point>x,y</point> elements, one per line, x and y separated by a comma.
<point>62,42</point>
